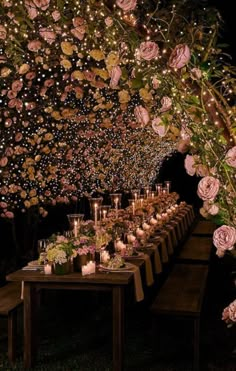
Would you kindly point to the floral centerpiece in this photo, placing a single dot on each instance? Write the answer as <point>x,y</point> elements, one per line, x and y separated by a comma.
<point>59,253</point>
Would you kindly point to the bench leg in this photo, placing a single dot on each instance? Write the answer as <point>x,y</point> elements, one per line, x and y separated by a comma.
<point>196,344</point>
<point>12,334</point>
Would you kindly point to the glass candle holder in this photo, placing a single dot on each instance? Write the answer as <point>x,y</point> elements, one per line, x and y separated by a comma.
<point>116,201</point>
<point>104,211</point>
<point>135,194</point>
<point>132,205</point>
<point>95,204</point>
<point>147,191</point>
<point>167,185</point>
<point>74,222</point>
<point>159,188</point>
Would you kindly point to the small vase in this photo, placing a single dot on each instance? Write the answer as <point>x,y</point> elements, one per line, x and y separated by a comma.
<point>78,261</point>
<point>60,269</point>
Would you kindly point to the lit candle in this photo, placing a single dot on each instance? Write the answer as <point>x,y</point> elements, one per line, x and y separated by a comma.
<point>116,206</point>
<point>47,269</point>
<point>133,206</point>
<point>141,201</point>
<point>147,192</point>
<point>75,228</point>
<point>135,196</point>
<point>96,214</point>
<point>104,214</point>
<point>153,194</point>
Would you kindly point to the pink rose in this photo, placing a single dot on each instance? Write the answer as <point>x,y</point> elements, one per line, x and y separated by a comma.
<point>155,82</point>
<point>208,188</point>
<point>179,56</point>
<point>115,76</point>
<point>141,115</point>
<point>148,50</point>
<point>30,76</point>
<point>211,208</point>
<point>232,311</point>
<point>230,157</point>
<point>11,94</point>
<point>3,205</point>
<point>166,104</point>
<point>31,8</point>
<point>56,15</point>
<point>42,4</point>
<point>9,215</point>
<point>224,237</point>
<point>3,32</point>
<point>196,73</point>
<point>18,137</point>
<point>47,34</point>
<point>17,85</point>
<point>189,164</point>
<point>3,161</point>
<point>34,45</point>
<point>78,32</point>
<point>108,21</point>
<point>158,127</point>
<point>126,5</point>
<point>48,83</point>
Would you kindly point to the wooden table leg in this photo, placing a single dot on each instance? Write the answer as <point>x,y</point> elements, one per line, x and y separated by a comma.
<point>12,335</point>
<point>118,328</point>
<point>30,327</point>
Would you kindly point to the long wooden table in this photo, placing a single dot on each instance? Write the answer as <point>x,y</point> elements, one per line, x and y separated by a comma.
<point>114,282</point>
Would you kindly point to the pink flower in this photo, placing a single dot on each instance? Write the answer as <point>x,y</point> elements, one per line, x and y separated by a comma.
<point>148,50</point>
<point>115,76</point>
<point>202,170</point>
<point>158,127</point>
<point>32,10</point>
<point>48,83</point>
<point>3,161</point>
<point>155,82</point>
<point>3,32</point>
<point>9,215</point>
<point>229,314</point>
<point>108,21</point>
<point>189,165</point>
<point>56,15</point>
<point>166,104</point>
<point>42,4</point>
<point>224,237</point>
<point>208,188</point>
<point>230,157</point>
<point>180,56</point>
<point>126,5</point>
<point>3,205</point>
<point>141,115</point>
<point>18,137</point>
<point>17,85</point>
<point>47,34</point>
<point>196,73</point>
<point>11,94</point>
<point>211,208</point>
<point>34,45</point>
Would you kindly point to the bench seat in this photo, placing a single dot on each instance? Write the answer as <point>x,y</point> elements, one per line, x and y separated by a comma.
<point>181,296</point>
<point>10,301</point>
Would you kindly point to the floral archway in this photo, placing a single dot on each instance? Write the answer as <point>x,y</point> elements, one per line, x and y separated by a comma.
<point>95,94</point>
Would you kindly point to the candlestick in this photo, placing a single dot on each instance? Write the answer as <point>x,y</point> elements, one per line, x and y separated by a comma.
<point>104,212</point>
<point>133,207</point>
<point>116,205</point>
<point>96,214</point>
<point>75,229</point>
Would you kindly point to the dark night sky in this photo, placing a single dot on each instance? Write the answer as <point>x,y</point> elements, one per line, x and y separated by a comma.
<point>229,28</point>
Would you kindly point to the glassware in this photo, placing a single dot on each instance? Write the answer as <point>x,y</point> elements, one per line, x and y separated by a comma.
<point>116,201</point>
<point>95,203</point>
<point>74,221</point>
<point>159,188</point>
<point>104,211</point>
<point>135,194</point>
<point>168,185</point>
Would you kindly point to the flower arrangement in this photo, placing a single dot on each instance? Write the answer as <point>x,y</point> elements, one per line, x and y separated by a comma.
<point>59,250</point>
<point>229,314</point>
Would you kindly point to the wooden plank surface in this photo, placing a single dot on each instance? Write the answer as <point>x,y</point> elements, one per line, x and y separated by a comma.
<point>204,227</point>
<point>183,291</point>
<point>10,297</point>
<point>196,248</point>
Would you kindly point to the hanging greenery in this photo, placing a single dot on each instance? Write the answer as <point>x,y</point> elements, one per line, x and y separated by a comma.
<point>95,94</point>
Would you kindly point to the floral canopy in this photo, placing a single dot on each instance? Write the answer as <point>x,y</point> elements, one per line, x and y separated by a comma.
<point>95,94</point>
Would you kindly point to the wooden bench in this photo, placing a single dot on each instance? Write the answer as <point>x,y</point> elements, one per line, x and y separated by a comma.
<point>181,296</point>
<point>196,249</point>
<point>10,301</point>
<point>204,228</point>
